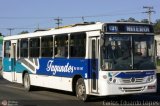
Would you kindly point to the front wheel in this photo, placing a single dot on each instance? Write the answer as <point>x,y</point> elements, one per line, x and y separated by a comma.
<point>81,90</point>
<point>26,82</point>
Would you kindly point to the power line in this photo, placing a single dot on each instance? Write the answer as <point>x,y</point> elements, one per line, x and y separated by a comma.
<point>100,15</point>
<point>17,28</point>
<point>72,17</point>
<point>149,12</point>
<point>27,17</point>
<point>59,19</point>
<point>11,29</point>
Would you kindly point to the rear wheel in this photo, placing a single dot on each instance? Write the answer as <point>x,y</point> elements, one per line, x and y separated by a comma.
<point>26,82</point>
<point>81,90</point>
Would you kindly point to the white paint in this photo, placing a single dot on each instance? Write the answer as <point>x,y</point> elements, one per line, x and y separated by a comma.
<point>105,88</point>
<point>51,82</point>
<point>7,75</point>
<point>28,68</point>
<point>83,28</point>
<point>33,64</point>
<point>63,83</point>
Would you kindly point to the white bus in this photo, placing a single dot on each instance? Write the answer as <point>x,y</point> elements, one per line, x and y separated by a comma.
<point>157,38</point>
<point>89,59</point>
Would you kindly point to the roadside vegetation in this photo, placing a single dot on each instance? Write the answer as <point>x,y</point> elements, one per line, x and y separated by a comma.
<point>158,62</point>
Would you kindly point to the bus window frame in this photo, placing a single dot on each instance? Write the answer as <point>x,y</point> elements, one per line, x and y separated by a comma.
<point>52,46</point>
<point>58,35</point>
<point>34,47</point>
<point>74,34</point>
<point>4,52</point>
<point>27,39</point>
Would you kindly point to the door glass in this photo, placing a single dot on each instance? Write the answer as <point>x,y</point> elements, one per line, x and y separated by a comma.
<point>94,64</point>
<point>93,54</point>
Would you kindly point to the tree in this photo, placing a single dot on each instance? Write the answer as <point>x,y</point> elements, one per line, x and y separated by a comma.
<point>1,34</point>
<point>132,20</point>
<point>157,26</point>
<point>122,20</point>
<point>23,32</point>
<point>144,21</point>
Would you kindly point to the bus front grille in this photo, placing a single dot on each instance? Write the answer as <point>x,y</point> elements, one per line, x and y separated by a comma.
<point>132,80</point>
<point>131,89</point>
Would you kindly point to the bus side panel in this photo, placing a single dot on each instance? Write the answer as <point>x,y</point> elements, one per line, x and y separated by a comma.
<point>52,73</point>
<point>9,68</point>
<point>63,67</point>
<point>19,68</point>
<point>7,71</point>
<point>7,64</point>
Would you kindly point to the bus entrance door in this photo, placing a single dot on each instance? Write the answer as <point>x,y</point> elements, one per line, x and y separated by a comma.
<point>94,64</point>
<point>13,59</point>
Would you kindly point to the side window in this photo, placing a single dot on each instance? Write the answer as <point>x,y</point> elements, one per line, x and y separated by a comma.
<point>7,47</point>
<point>61,45</point>
<point>47,46</point>
<point>34,47</point>
<point>24,48</point>
<point>77,45</point>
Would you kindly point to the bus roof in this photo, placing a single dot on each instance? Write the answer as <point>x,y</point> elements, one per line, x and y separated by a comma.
<point>54,31</point>
<point>66,29</point>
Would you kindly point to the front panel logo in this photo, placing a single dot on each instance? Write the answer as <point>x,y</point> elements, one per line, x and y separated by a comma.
<point>133,80</point>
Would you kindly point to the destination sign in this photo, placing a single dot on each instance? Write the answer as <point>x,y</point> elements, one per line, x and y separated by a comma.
<point>131,28</point>
<point>137,29</point>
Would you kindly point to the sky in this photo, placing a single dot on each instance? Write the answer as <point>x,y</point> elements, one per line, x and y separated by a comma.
<point>24,15</point>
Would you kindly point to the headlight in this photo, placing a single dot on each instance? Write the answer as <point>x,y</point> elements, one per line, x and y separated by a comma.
<point>150,78</point>
<point>113,81</point>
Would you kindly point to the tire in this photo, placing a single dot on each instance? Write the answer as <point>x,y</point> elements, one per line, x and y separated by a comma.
<point>26,82</point>
<point>81,90</point>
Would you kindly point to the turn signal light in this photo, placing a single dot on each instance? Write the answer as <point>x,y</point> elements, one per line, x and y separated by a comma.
<point>152,87</point>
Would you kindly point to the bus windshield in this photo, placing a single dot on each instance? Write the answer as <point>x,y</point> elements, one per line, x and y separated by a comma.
<point>127,52</point>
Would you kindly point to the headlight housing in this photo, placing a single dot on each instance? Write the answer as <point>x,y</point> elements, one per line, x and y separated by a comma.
<point>151,78</point>
<point>113,80</point>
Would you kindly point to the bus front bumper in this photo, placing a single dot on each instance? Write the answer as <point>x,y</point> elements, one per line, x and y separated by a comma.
<point>113,89</point>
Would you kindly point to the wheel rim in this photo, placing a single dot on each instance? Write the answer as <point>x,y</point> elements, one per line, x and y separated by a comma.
<point>81,92</point>
<point>26,81</point>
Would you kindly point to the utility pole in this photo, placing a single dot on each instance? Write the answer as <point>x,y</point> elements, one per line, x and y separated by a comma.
<point>83,19</point>
<point>10,31</point>
<point>59,21</point>
<point>38,27</point>
<point>149,12</point>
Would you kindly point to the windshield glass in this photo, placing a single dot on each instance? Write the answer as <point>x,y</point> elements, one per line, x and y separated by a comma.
<point>143,52</point>
<point>126,52</point>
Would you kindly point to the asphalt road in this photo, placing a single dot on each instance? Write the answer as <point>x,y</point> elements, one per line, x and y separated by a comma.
<point>15,95</point>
